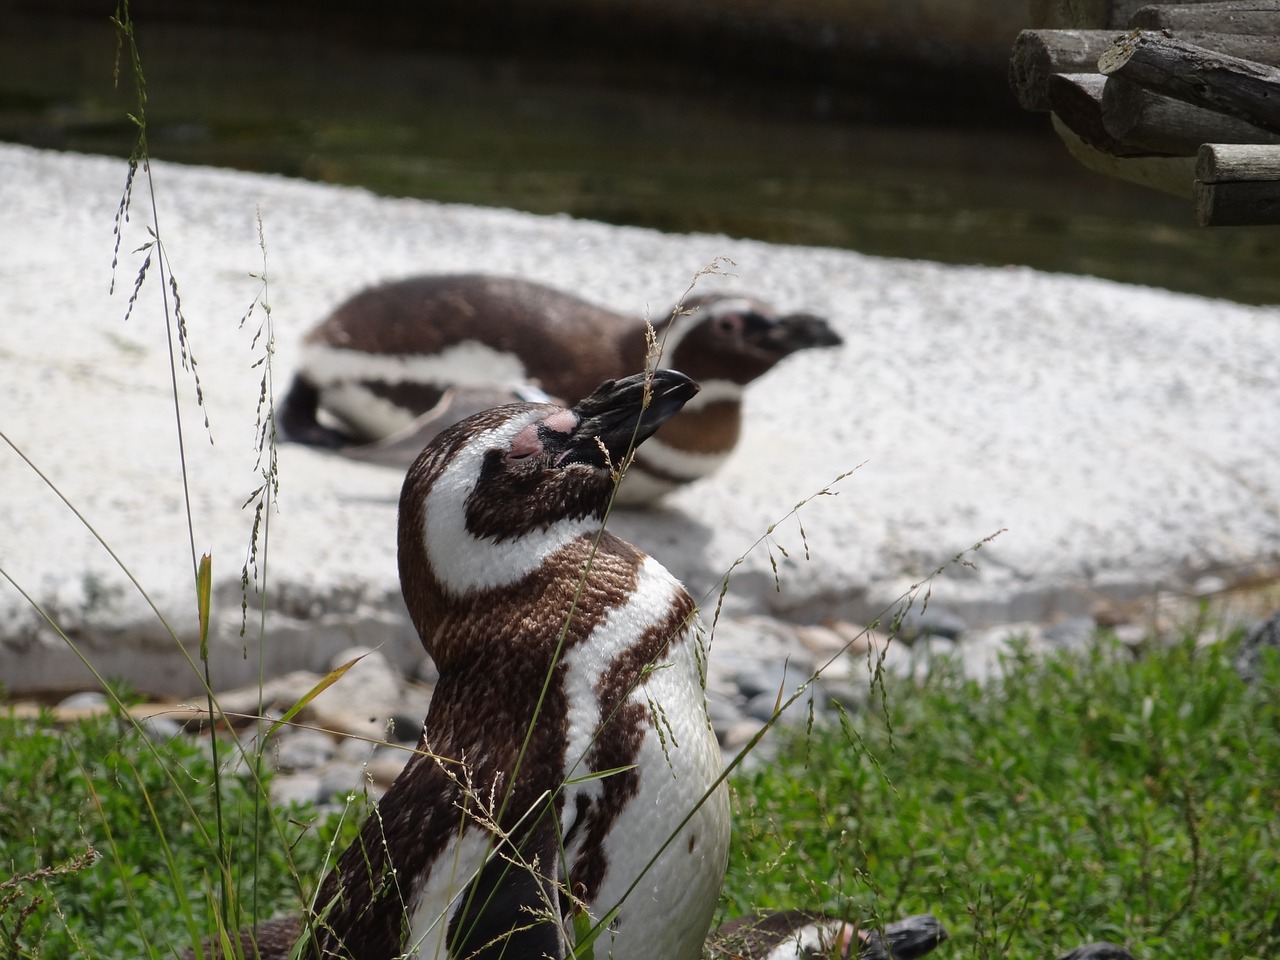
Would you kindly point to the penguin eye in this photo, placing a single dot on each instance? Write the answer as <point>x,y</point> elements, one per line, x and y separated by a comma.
<point>729,323</point>
<point>525,444</point>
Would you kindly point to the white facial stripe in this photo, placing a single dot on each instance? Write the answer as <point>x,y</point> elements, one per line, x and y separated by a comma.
<point>467,364</point>
<point>461,562</point>
<point>715,391</point>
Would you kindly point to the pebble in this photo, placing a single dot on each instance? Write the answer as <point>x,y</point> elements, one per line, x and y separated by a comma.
<point>1264,634</point>
<point>84,700</point>
<point>356,736</point>
<point>303,749</point>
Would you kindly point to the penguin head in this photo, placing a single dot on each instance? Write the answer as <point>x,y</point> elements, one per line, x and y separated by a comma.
<point>490,498</point>
<point>736,339</point>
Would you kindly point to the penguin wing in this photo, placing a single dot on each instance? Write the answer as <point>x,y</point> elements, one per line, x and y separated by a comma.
<point>402,448</point>
<point>512,907</point>
<point>431,876</point>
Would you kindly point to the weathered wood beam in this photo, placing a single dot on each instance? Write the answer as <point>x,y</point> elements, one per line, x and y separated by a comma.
<point>1144,121</point>
<point>1175,175</point>
<point>1088,14</point>
<point>1260,18</point>
<point>1237,185</point>
<point>1196,75</point>
<point>1038,54</point>
<point>1076,101</point>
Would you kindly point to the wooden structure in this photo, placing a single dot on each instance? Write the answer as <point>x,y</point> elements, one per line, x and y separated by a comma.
<point>1183,97</point>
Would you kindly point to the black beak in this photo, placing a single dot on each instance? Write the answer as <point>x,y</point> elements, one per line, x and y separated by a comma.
<point>798,331</point>
<point>616,418</point>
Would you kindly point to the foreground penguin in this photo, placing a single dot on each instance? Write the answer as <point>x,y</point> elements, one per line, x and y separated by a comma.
<point>566,777</point>
<point>398,362</point>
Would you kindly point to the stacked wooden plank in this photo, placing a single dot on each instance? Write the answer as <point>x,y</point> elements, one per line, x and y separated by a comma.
<point>1186,101</point>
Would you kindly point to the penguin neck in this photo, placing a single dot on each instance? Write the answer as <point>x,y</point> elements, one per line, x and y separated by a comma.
<point>545,611</point>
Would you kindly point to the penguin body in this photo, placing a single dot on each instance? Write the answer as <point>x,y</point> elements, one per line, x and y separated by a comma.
<point>380,366</point>
<point>567,763</point>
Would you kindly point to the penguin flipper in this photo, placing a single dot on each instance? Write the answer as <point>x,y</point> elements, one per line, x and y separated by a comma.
<point>401,448</point>
<point>510,910</point>
<point>297,417</point>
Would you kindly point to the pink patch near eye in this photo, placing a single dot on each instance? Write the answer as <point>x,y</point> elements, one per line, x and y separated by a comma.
<point>562,421</point>
<point>526,443</point>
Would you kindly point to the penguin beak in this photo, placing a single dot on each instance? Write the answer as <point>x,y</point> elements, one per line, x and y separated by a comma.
<point>615,418</point>
<point>797,331</point>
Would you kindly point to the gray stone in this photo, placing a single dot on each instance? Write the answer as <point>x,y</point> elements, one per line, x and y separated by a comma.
<point>161,728</point>
<point>1209,585</point>
<point>724,711</point>
<point>931,621</point>
<point>362,700</point>
<point>387,764</point>
<point>277,694</point>
<point>295,788</point>
<point>1074,633</point>
<point>340,780</point>
<point>983,652</point>
<point>1132,635</point>
<point>353,750</point>
<point>85,700</point>
<point>761,707</point>
<point>851,696</point>
<point>734,738</point>
<point>1264,634</point>
<point>766,677</point>
<point>427,672</point>
<point>303,749</point>
<point>822,641</point>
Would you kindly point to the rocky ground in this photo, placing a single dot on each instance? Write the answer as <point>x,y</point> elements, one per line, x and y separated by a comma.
<point>356,735</point>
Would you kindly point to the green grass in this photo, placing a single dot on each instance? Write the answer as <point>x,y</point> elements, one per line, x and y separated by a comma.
<point>145,811</point>
<point>1094,798</point>
<point>1086,799</point>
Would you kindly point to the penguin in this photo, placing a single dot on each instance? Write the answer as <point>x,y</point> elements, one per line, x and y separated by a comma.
<point>567,783</point>
<point>385,368</point>
<point>804,935</point>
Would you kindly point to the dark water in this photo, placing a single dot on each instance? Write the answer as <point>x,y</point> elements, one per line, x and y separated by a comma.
<point>548,137</point>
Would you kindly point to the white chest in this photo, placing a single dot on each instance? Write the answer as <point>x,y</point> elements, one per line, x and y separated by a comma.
<point>667,849</point>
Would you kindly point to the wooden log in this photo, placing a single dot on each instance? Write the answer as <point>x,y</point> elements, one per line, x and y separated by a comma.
<point>1088,14</point>
<point>1237,185</point>
<point>1175,175</point>
<point>1038,54</point>
<point>1260,18</point>
<point>1249,204</point>
<point>1241,88</point>
<point>1235,162</point>
<point>1147,122</point>
<point>1076,101</point>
